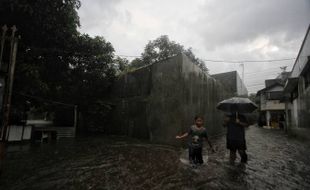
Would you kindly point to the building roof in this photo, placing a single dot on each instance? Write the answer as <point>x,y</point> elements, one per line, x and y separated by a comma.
<point>270,87</point>
<point>301,62</point>
<point>272,82</point>
<point>302,57</point>
<point>283,76</point>
<point>290,84</point>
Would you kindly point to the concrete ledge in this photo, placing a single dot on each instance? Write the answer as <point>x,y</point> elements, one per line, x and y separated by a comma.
<point>269,127</point>
<point>301,133</point>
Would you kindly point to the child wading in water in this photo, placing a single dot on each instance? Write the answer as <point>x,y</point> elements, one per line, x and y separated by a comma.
<point>197,132</point>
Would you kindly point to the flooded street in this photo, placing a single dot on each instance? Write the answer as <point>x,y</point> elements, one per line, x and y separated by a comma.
<point>276,161</point>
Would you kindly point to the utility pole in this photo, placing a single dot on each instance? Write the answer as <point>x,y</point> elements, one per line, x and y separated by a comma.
<point>242,65</point>
<point>6,107</point>
<point>4,30</point>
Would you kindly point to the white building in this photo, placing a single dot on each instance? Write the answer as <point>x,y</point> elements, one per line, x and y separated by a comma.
<point>271,102</point>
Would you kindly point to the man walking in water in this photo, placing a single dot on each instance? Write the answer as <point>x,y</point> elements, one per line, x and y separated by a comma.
<point>235,137</point>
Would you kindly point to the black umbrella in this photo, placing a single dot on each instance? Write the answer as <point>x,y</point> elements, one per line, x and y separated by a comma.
<point>237,105</point>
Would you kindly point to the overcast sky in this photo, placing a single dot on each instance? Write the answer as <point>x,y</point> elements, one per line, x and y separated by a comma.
<point>215,29</point>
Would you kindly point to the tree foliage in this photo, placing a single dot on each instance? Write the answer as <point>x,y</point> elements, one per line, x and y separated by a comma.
<point>163,48</point>
<point>121,64</point>
<point>137,62</point>
<point>55,61</point>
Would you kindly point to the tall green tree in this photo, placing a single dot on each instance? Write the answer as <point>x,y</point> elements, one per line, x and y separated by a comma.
<point>163,48</point>
<point>92,73</point>
<point>47,29</point>
<point>159,49</point>
<point>56,62</point>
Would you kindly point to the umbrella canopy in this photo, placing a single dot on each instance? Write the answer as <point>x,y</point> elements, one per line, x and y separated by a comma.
<point>237,104</point>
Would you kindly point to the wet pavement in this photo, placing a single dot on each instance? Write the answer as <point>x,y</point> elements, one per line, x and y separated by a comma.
<point>276,161</point>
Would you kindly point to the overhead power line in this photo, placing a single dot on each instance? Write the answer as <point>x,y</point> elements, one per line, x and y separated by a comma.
<point>134,56</point>
<point>249,61</point>
<point>45,100</point>
<point>271,69</point>
<point>263,72</point>
<point>227,61</point>
<point>55,50</point>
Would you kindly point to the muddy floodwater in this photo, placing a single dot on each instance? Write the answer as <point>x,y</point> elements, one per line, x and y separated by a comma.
<point>276,161</point>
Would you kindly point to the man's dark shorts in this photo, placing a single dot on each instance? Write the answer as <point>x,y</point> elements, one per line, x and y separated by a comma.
<point>236,144</point>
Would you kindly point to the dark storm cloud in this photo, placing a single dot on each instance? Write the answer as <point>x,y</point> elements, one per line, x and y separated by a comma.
<point>215,29</point>
<point>241,21</point>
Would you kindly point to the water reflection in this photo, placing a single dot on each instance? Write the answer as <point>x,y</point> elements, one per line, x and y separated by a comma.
<point>275,162</point>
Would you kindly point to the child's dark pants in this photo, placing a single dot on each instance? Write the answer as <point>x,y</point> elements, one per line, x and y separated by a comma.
<point>195,155</point>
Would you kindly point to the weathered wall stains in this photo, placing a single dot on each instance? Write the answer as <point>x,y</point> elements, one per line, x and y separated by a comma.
<point>158,101</point>
<point>304,103</point>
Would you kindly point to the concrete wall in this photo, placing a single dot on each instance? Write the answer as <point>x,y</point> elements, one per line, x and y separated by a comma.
<point>228,80</point>
<point>299,107</point>
<point>303,104</point>
<point>131,96</point>
<point>158,101</point>
<point>232,82</point>
<point>295,113</point>
<point>241,88</point>
<point>2,86</point>
<point>1,91</point>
